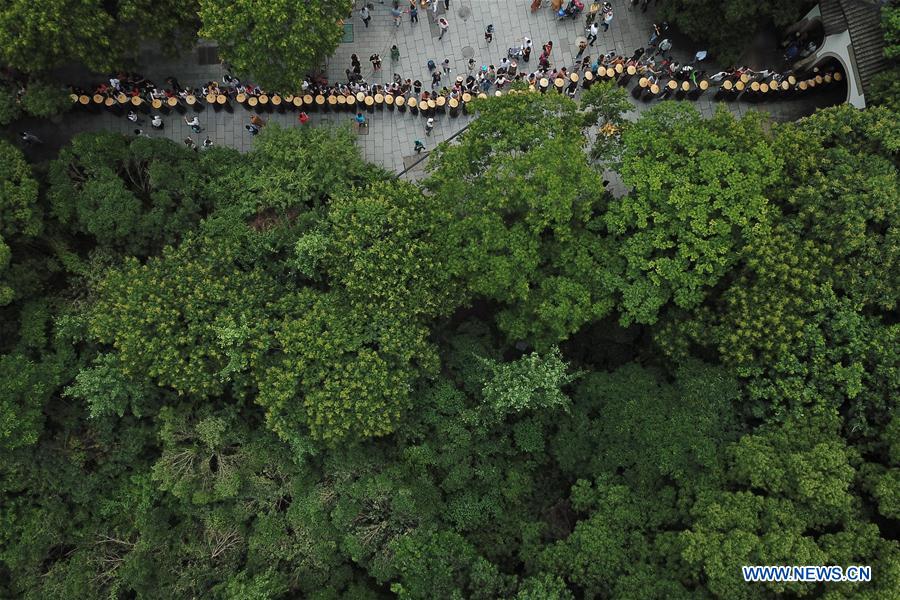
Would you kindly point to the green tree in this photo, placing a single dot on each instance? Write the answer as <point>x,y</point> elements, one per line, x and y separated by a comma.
<point>133,196</point>
<point>190,319</point>
<point>524,201</point>
<point>443,565</point>
<point>605,104</point>
<point>20,216</point>
<point>277,42</point>
<point>9,104</point>
<point>532,382</point>
<point>698,194</point>
<point>43,99</point>
<point>727,27</point>
<point>37,37</point>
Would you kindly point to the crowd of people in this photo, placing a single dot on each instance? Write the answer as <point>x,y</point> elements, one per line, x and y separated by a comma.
<point>651,65</point>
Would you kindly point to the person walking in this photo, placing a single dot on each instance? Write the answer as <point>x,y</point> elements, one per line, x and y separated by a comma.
<point>582,45</point>
<point>435,79</point>
<point>592,13</point>
<point>364,15</point>
<point>395,53</point>
<point>193,123</point>
<point>444,25</point>
<point>303,118</point>
<point>413,12</point>
<point>132,116</point>
<point>29,138</point>
<point>607,16</point>
<point>397,14</point>
<point>207,143</point>
<point>470,66</point>
<point>418,146</point>
<point>258,121</point>
<point>446,66</point>
<point>376,62</point>
<point>253,129</point>
<point>526,50</point>
<point>156,122</point>
<point>658,30</point>
<point>592,34</point>
<point>429,125</point>
<point>189,142</point>
<point>446,5</point>
<point>489,33</point>
<point>361,121</point>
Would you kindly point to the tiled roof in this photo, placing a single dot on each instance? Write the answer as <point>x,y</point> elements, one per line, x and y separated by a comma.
<point>863,19</point>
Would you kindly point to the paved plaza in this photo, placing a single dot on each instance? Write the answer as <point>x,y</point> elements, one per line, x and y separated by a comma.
<point>391,134</point>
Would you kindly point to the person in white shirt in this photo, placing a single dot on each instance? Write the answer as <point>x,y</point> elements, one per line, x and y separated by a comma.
<point>156,122</point>
<point>194,124</point>
<point>592,34</point>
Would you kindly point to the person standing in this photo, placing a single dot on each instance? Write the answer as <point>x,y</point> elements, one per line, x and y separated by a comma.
<point>418,146</point>
<point>489,33</point>
<point>364,15</point>
<point>413,12</point>
<point>397,14</point>
<point>443,24</point>
<point>470,66</point>
<point>592,34</point>
<point>435,79</point>
<point>664,46</point>
<point>429,125</point>
<point>447,5</point>
<point>446,66</point>
<point>376,62</point>
<point>156,122</point>
<point>303,118</point>
<point>207,143</point>
<point>395,53</point>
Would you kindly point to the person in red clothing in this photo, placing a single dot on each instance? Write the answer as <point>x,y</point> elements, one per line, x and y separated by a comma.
<point>303,118</point>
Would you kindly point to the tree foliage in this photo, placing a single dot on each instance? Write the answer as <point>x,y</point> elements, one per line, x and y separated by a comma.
<point>277,42</point>
<point>728,27</point>
<point>284,374</point>
<point>36,37</point>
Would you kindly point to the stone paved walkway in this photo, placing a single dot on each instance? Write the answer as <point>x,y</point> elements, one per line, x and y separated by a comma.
<point>390,136</point>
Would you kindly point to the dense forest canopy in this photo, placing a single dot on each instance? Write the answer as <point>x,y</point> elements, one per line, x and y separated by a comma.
<point>261,376</point>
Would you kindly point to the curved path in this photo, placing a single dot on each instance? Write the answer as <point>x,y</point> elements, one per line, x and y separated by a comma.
<point>390,136</point>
